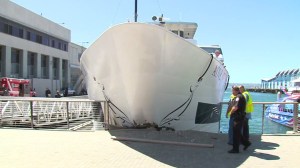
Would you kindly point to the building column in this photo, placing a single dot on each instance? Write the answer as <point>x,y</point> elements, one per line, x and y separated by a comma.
<point>7,61</point>
<point>24,64</point>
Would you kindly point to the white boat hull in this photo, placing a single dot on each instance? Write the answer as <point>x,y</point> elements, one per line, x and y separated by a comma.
<point>152,76</point>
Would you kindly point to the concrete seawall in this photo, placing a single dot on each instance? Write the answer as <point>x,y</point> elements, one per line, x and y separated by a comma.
<point>264,90</point>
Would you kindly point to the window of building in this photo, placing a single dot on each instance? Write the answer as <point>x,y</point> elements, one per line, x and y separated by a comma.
<point>44,61</point>
<point>45,66</point>
<point>15,31</point>
<point>21,33</point>
<point>52,43</point>
<point>15,62</point>
<point>65,47</point>
<point>55,69</point>
<point>33,36</point>
<point>31,66</point>
<point>31,58</point>
<point>39,39</point>
<point>55,63</point>
<point>1,26</point>
<point>28,35</point>
<point>59,45</point>
<point>15,56</point>
<point>45,40</point>
<point>8,29</point>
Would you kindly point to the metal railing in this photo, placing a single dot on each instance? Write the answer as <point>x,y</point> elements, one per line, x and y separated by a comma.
<point>264,107</point>
<point>76,114</point>
<point>295,112</point>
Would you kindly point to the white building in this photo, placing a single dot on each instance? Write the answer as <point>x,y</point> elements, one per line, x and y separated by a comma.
<point>284,79</point>
<point>33,47</point>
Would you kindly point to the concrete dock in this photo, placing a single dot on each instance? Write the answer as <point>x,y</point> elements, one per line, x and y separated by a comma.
<point>21,148</point>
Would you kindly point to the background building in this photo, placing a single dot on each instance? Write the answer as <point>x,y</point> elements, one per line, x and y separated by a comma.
<point>289,79</point>
<point>33,47</point>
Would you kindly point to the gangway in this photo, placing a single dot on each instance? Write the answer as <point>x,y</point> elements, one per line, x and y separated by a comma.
<point>49,112</point>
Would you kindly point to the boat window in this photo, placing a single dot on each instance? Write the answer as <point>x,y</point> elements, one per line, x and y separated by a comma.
<point>174,31</point>
<point>211,49</point>
<point>289,107</point>
<point>181,33</point>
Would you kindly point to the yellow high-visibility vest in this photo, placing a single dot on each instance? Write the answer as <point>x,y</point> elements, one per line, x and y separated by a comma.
<point>231,99</point>
<point>249,105</point>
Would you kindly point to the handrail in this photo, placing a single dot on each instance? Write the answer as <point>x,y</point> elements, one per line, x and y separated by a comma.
<point>275,103</point>
<point>106,108</point>
<point>295,112</point>
<point>43,99</point>
<point>62,114</point>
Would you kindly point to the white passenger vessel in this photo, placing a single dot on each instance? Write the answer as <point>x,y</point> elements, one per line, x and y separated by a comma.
<point>156,75</point>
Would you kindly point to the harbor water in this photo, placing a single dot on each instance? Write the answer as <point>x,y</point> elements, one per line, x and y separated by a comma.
<point>255,124</point>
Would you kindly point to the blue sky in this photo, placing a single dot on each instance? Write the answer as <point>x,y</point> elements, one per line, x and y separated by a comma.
<point>258,37</point>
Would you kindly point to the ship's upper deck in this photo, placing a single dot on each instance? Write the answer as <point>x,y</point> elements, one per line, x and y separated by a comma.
<point>186,30</point>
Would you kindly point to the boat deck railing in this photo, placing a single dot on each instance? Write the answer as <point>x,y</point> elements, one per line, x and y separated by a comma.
<point>77,114</point>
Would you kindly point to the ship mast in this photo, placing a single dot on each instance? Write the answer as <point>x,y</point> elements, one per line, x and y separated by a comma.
<point>135,11</point>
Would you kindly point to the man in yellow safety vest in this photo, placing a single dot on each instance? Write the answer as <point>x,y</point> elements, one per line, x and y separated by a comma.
<point>249,110</point>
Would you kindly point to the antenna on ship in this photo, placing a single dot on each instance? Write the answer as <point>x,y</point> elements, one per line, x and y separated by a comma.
<point>135,11</point>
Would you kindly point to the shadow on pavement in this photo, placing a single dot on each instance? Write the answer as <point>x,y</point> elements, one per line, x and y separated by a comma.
<point>191,156</point>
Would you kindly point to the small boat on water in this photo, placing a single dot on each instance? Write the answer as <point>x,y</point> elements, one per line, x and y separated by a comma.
<point>283,113</point>
<point>154,74</point>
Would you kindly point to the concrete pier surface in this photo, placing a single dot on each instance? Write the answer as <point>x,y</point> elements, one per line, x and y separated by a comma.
<point>21,148</point>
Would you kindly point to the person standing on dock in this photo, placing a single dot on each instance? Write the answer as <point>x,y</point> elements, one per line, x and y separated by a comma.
<point>57,94</point>
<point>48,93</point>
<point>228,114</point>
<point>249,110</point>
<point>238,114</point>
